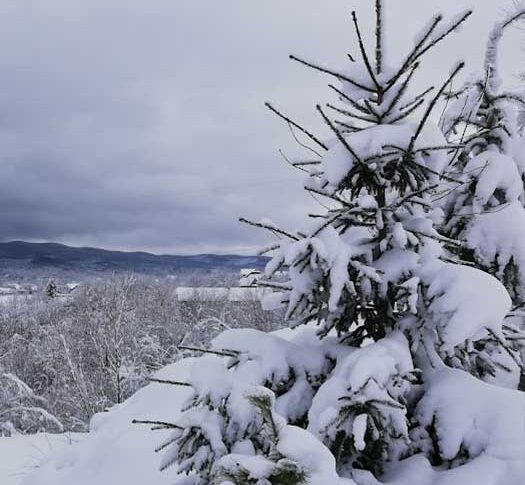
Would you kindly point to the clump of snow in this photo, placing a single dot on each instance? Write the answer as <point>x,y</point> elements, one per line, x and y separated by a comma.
<point>304,448</point>
<point>498,235</point>
<point>493,171</point>
<point>466,303</point>
<point>359,427</point>
<point>478,426</point>
<point>370,378</point>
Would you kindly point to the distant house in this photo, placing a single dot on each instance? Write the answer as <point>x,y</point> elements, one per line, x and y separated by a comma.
<point>238,294</point>
<point>245,292</point>
<point>52,290</point>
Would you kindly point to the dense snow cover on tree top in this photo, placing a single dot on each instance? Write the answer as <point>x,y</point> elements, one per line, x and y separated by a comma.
<point>404,361</point>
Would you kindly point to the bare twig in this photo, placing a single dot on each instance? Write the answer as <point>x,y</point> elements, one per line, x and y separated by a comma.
<point>269,228</point>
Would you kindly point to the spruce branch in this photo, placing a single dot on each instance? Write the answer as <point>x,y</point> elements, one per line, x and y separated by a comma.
<point>327,223</point>
<point>349,113</point>
<point>510,97</point>
<point>160,424</point>
<point>328,195</point>
<point>163,446</point>
<point>223,353</point>
<point>170,382</point>
<point>276,286</point>
<point>374,113</point>
<point>445,106</point>
<point>506,346</point>
<point>432,104</point>
<point>379,36</point>
<point>347,98</point>
<point>364,55</point>
<point>299,165</point>
<point>401,91</point>
<point>491,67</point>
<point>417,98</point>
<point>407,113</point>
<point>273,229</point>
<point>338,75</point>
<point>347,128</point>
<point>268,249</point>
<point>300,143</point>
<point>447,32</point>
<point>437,148</point>
<point>338,135</point>
<point>296,125</point>
<point>411,56</point>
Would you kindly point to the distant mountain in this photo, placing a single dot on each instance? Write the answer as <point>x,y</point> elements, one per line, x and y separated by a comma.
<point>50,259</point>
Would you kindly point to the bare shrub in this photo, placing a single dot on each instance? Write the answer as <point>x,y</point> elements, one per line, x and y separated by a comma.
<point>83,353</point>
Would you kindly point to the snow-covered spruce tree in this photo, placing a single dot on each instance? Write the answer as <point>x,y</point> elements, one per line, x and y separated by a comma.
<point>485,209</point>
<point>364,388</point>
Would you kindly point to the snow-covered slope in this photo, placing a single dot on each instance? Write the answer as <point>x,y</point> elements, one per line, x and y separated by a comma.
<point>20,455</point>
<point>116,451</point>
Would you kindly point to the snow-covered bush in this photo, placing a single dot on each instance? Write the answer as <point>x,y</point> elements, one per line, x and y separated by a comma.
<point>21,410</point>
<point>388,386</point>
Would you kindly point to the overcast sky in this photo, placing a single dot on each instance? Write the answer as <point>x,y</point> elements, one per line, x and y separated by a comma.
<point>139,124</point>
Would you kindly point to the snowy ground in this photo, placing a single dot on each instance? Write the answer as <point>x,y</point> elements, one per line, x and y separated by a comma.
<point>20,455</point>
<point>116,451</point>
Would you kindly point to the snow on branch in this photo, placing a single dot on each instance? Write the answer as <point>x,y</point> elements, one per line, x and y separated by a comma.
<point>270,226</point>
<point>379,36</point>
<point>338,134</point>
<point>428,40</point>
<point>491,55</point>
<point>338,75</point>
<point>364,55</point>
<point>433,103</point>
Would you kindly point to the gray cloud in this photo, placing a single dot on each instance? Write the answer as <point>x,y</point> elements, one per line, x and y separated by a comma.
<point>139,124</point>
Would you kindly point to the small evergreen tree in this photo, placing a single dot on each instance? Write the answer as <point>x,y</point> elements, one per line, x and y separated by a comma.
<point>383,374</point>
<point>485,211</point>
<point>51,289</point>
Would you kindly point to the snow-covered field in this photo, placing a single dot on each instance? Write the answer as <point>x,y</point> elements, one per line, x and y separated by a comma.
<point>20,455</point>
